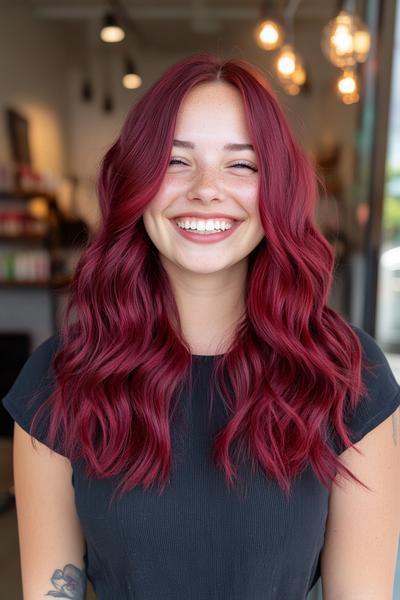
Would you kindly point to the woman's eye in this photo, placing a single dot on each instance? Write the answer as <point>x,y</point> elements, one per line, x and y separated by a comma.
<point>245,165</point>
<point>176,161</point>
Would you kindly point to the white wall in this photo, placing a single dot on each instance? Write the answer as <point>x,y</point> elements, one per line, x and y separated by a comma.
<point>35,57</point>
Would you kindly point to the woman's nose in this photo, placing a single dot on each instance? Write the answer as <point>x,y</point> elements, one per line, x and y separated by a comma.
<point>207,184</point>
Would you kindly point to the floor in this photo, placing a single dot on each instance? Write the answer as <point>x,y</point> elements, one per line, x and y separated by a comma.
<point>10,578</point>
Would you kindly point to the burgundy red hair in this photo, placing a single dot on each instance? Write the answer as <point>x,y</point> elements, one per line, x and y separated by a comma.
<point>122,360</point>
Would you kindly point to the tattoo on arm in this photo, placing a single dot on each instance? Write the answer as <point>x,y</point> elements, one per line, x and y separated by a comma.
<point>396,426</point>
<point>70,582</point>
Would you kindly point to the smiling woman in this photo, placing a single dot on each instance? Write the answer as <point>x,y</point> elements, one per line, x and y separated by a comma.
<point>208,280</point>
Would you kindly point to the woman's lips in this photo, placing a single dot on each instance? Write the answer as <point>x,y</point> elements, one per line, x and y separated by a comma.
<point>204,238</point>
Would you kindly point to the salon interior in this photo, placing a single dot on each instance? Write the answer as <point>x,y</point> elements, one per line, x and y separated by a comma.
<point>70,71</point>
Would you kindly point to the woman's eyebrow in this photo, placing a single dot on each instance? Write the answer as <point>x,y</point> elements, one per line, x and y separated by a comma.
<point>184,144</point>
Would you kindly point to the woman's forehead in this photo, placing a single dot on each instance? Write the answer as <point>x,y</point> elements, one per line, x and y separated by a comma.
<point>212,92</point>
<point>218,112</point>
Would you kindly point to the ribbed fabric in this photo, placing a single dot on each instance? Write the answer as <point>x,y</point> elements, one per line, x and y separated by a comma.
<point>200,541</point>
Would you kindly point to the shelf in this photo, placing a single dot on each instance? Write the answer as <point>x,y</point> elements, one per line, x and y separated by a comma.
<point>26,195</point>
<point>29,237</point>
<point>58,281</point>
<point>54,288</point>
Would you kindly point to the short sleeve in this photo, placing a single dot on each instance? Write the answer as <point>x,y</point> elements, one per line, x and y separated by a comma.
<point>383,392</point>
<point>32,387</point>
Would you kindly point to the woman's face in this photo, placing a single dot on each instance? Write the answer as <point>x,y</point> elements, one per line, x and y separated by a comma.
<point>205,181</point>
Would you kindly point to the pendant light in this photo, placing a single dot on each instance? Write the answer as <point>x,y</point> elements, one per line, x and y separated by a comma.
<point>346,39</point>
<point>289,62</point>
<point>131,78</point>
<point>269,33</point>
<point>286,62</point>
<point>111,32</point>
<point>347,87</point>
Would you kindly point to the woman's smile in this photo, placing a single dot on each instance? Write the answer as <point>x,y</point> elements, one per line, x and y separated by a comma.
<point>205,237</point>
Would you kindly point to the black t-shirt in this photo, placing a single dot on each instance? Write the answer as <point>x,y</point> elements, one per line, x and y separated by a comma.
<point>199,540</point>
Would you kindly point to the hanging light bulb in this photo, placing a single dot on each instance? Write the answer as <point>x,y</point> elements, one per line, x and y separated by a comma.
<point>131,79</point>
<point>286,62</point>
<point>269,34</point>
<point>339,39</point>
<point>111,32</point>
<point>289,64</point>
<point>346,84</point>
<point>347,87</point>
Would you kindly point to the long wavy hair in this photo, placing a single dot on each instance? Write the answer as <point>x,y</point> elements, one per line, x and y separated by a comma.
<point>293,365</point>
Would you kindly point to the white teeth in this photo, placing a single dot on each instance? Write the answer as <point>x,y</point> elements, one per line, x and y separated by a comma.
<point>204,226</point>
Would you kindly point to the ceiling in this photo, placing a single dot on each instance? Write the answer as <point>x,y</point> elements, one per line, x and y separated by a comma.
<point>177,25</point>
<point>224,10</point>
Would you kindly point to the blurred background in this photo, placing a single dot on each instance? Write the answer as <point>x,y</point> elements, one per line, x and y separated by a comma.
<point>71,70</point>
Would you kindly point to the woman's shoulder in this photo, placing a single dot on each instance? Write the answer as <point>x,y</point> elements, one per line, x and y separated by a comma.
<point>32,386</point>
<point>382,395</point>
<point>378,373</point>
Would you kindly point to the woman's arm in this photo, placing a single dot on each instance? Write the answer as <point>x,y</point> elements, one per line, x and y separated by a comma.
<point>51,542</point>
<point>362,534</point>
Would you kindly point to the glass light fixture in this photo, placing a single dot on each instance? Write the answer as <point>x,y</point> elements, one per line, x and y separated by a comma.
<point>286,62</point>
<point>289,64</point>
<point>111,32</point>
<point>269,34</point>
<point>131,79</point>
<point>345,40</point>
<point>346,84</point>
<point>347,87</point>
